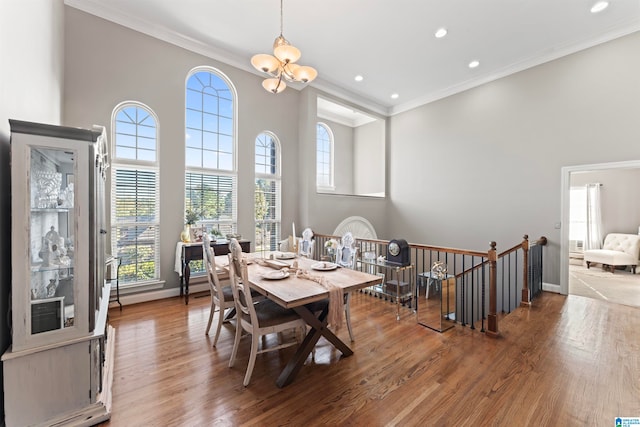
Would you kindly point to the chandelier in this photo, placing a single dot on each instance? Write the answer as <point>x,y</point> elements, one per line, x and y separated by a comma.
<point>281,66</point>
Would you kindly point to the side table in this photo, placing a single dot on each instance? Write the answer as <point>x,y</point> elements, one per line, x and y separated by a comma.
<point>193,251</point>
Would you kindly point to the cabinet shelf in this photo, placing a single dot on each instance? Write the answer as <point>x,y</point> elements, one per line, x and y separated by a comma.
<point>35,268</point>
<point>52,210</point>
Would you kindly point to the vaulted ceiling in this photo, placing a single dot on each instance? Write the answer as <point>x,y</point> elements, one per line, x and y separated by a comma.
<point>391,44</point>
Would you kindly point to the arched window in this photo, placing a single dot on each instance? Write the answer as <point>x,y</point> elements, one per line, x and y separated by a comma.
<point>324,157</point>
<point>267,192</point>
<point>135,193</point>
<point>210,180</point>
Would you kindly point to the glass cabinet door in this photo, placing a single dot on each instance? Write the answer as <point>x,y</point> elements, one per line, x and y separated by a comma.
<point>52,239</point>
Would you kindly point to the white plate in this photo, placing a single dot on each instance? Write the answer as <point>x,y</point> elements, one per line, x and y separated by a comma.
<point>276,275</point>
<point>324,266</point>
<point>286,255</point>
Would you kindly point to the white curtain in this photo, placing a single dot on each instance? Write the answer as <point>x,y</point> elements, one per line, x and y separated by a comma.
<point>593,237</point>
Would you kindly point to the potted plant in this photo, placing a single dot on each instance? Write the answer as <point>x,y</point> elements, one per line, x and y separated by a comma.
<point>190,219</point>
<point>215,234</point>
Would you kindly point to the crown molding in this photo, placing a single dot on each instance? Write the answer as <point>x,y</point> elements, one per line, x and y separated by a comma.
<point>100,9</point>
<point>554,53</point>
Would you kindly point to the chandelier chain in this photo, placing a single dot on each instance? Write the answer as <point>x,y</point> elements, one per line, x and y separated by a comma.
<point>281,66</point>
<point>281,17</point>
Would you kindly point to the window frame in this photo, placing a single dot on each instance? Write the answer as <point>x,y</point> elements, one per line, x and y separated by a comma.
<point>276,179</point>
<point>119,163</point>
<point>331,174</point>
<point>217,171</point>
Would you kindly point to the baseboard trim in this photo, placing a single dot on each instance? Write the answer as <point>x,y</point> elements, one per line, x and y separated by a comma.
<point>160,294</point>
<point>549,287</point>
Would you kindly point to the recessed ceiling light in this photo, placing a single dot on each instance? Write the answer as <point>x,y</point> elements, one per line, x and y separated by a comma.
<point>599,6</point>
<point>394,96</point>
<point>441,33</point>
<point>474,64</point>
<point>358,78</point>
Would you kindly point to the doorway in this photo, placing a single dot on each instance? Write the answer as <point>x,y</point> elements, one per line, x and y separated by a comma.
<point>619,183</point>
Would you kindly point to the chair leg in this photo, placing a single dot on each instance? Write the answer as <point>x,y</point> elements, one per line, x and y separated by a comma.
<point>213,309</point>
<point>220,320</point>
<point>252,359</point>
<point>236,343</point>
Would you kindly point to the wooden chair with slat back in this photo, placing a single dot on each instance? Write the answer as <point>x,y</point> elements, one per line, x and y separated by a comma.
<point>258,319</point>
<point>221,296</point>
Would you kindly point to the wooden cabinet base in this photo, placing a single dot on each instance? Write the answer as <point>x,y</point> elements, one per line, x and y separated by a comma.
<point>58,386</point>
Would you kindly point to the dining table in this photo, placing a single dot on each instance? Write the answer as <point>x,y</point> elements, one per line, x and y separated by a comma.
<point>298,291</point>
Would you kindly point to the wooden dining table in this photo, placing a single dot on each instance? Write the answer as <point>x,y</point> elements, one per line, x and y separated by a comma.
<point>296,292</point>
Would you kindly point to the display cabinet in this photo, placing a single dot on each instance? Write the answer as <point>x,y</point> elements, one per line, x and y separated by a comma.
<point>54,370</point>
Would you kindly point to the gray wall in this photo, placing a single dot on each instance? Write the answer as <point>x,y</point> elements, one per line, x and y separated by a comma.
<point>478,166</point>
<point>323,212</point>
<point>368,156</point>
<point>107,64</point>
<point>343,156</point>
<point>620,204</point>
<point>485,164</point>
<point>31,52</point>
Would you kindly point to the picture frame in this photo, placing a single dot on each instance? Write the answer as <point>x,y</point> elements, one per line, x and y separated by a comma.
<point>197,231</point>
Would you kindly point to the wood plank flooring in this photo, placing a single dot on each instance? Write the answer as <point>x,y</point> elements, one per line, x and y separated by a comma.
<point>569,361</point>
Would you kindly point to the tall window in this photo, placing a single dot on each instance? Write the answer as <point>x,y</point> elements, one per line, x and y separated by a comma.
<point>210,181</point>
<point>135,214</point>
<point>267,192</point>
<point>324,156</point>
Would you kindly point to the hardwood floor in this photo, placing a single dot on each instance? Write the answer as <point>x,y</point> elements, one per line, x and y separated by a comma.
<point>569,361</point>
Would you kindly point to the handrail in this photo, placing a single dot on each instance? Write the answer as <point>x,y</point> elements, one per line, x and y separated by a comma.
<point>490,258</point>
<point>448,250</point>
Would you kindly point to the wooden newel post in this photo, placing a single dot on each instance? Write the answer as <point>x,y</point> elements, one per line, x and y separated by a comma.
<point>492,320</point>
<point>526,295</point>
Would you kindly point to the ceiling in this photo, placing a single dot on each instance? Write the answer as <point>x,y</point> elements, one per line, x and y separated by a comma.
<point>390,43</point>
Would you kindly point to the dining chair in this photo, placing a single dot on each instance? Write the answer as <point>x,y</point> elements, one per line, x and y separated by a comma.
<point>221,296</point>
<point>306,243</point>
<point>236,254</point>
<point>346,256</point>
<point>258,319</point>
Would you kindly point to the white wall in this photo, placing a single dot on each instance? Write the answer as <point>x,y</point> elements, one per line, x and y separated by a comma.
<point>485,164</point>
<point>31,52</point>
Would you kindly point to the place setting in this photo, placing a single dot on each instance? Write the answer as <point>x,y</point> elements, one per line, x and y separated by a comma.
<point>276,275</point>
<point>285,255</point>
<point>324,266</point>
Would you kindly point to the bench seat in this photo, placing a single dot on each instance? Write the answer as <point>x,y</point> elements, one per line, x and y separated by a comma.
<point>618,250</point>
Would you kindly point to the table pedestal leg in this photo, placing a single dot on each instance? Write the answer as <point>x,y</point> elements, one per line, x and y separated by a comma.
<point>318,329</point>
